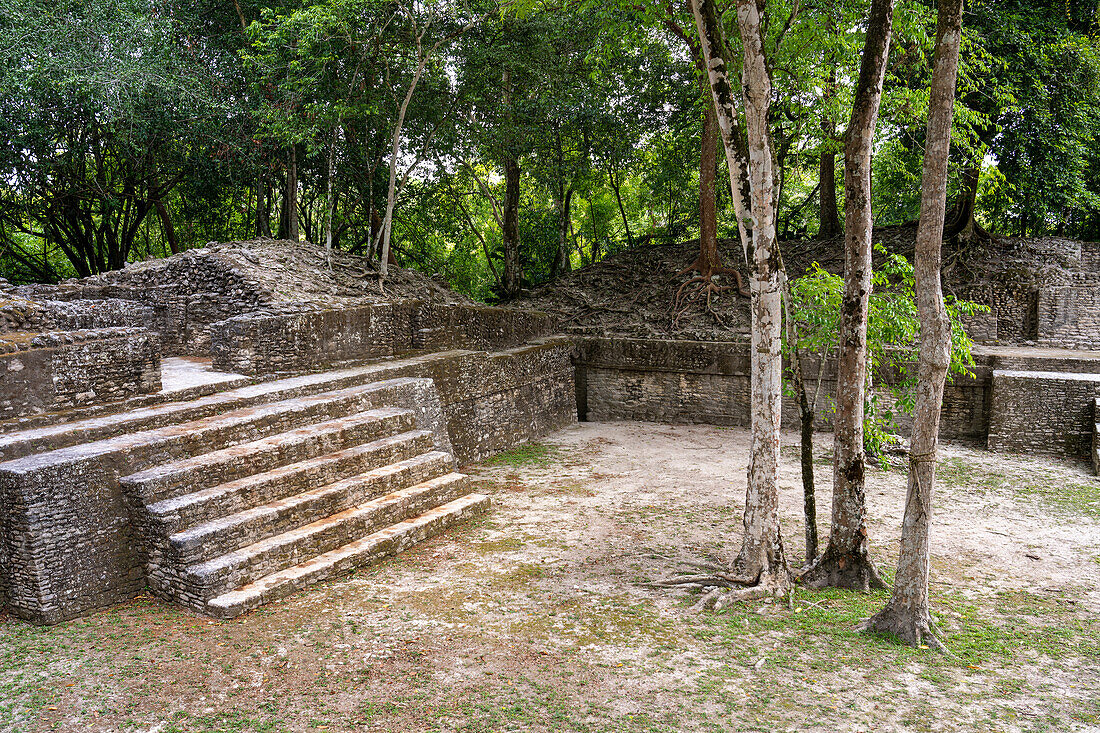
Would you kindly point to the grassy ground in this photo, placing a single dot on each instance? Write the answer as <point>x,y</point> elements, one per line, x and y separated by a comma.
<point>536,617</point>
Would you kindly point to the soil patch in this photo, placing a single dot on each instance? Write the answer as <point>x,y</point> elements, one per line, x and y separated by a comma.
<point>536,617</point>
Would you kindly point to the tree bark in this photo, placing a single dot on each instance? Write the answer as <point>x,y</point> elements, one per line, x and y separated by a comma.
<point>829,217</point>
<point>762,556</point>
<point>169,228</point>
<point>708,261</point>
<point>513,272</point>
<point>846,562</point>
<point>563,201</point>
<point>291,197</point>
<point>716,52</point>
<point>907,612</point>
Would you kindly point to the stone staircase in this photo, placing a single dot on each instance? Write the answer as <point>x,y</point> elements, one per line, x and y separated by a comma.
<point>246,496</point>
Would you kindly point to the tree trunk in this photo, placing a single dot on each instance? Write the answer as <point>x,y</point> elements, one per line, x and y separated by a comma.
<point>622,209</point>
<point>290,199</point>
<point>830,219</point>
<point>806,424</point>
<point>169,229</point>
<point>960,223</point>
<point>907,613</point>
<point>846,562</point>
<point>513,271</point>
<point>716,54</point>
<point>563,204</point>
<point>263,213</point>
<point>708,261</point>
<point>762,557</point>
<point>395,151</point>
<point>330,203</point>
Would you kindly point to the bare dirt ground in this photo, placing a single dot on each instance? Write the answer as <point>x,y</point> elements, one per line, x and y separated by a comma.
<point>537,616</point>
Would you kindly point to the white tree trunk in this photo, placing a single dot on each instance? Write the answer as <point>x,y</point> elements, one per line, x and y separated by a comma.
<point>762,553</point>
<point>907,613</point>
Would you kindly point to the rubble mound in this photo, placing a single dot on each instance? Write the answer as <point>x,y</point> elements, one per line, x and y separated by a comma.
<point>277,273</point>
<point>633,293</point>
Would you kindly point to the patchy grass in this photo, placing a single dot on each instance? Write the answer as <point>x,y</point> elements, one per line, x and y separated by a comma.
<point>537,617</point>
<point>528,454</point>
<point>1058,490</point>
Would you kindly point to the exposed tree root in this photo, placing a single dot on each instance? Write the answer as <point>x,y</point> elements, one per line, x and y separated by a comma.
<point>835,569</point>
<point>707,282</point>
<point>913,627</point>
<point>722,588</point>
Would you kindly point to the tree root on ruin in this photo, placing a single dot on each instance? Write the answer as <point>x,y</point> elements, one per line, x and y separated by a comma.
<point>707,284</point>
<point>913,627</point>
<point>836,569</point>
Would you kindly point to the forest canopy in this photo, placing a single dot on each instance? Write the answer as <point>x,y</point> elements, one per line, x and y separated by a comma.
<point>520,145</point>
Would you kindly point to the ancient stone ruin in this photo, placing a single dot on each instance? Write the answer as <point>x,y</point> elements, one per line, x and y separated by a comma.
<point>224,433</point>
<point>230,424</point>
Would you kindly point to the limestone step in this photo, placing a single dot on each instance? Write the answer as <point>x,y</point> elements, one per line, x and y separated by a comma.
<point>188,475</point>
<point>385,542</point>
<point>281,551</point>
<point>242,512</point>
<point>295,398</point>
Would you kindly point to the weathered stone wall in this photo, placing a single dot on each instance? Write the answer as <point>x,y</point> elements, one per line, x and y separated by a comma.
<point>1096,437</point>
<point>64,369</point>
<point>1043,412</point>
<point>708,382</point>
<point>1069,316</point>
<point>291,342</point>
<point>68,544</point>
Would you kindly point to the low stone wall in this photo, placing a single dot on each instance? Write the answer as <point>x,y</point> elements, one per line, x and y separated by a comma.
<point>59,370</point>
<point>1096,437</point>
<point>1043,412</point>
<point>259,344</point>
<point>1069,316</point>
<point>708,382</point>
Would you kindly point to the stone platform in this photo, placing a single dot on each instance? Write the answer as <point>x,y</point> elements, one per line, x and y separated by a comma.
<point>222,496</point>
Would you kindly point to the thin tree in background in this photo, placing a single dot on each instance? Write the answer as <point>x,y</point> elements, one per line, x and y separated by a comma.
<point>907,614</point>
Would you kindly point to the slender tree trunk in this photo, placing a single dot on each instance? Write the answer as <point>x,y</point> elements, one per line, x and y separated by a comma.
<point>263,214</point>
<point>563,203</point>
<point>290,199</point>
<point>762,557</point>
<point>513,271</point>
<point>829,219</point>
<point>846,562</point>
<point>716,55</point>
<point>169,229</point>
<point>907,613</point>
<point>708,261</point>
<point>330,203</point>
<point>619,199</point>
<point>395,152</point>
<point>806,424</point>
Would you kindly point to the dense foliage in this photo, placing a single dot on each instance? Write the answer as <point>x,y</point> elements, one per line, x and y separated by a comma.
<point>137,128</point>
